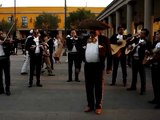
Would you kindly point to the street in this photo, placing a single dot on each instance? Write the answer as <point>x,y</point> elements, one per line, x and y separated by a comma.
<point>61,100</point>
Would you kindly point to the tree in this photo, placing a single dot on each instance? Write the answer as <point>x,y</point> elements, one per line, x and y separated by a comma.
<point>76,17</point>
<point>4,25</point>
<point>47,21</point>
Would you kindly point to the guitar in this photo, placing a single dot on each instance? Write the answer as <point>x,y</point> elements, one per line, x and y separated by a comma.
<point>154,57</point>
<point>130,48</point>
<point>147,59</point>
<point>115,47</point>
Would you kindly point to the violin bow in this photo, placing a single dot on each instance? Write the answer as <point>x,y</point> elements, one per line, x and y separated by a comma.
<point>9,32</point>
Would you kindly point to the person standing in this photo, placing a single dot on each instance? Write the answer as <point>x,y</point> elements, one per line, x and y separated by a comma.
<point>58,48</point>
<point>95,52</point>
<point>51,49</point>
<point>141,45</point>
<point>155,69</point>
<point>46,55</point>
<point>24,69</point>
<point>35,50</point>
<point>74,46</point>
<point>5,48</point>
<point>120,56</point>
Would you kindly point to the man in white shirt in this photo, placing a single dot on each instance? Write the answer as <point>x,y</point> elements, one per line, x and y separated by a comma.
<point>96,50</point>
<point>74,57</point>
<point>5,65</point>
<point>35,49</point>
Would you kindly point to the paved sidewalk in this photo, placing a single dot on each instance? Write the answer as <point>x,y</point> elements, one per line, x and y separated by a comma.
<point>60,100</point>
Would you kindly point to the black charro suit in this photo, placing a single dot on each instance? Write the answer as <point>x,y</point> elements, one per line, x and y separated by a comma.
<point>35,60</point>
<point>5,67</point>
<point>74,57</point>
<point>51,49</point>
<point>116,59</point>
<point>137,63</point>
<point>94,73</point>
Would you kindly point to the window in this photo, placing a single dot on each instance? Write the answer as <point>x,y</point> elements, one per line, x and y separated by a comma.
<point>10,19</point>
<point>24,22</point>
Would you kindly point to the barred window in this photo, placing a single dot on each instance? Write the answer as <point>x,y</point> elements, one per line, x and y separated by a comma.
<point>24,21</point>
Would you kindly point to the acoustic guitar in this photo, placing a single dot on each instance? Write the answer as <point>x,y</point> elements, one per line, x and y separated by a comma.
<point>154,57</point>
<point>130,48</point>
<point>115,47</point>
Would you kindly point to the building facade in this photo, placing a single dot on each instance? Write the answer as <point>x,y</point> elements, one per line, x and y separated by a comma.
<point>26,16</point>
<point>133,14</point>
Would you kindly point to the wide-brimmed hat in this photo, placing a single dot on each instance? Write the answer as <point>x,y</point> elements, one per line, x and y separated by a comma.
<point>92,24</point>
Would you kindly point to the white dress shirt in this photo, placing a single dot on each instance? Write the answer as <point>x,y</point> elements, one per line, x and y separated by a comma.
<point>37,45</point>
<point>92,52</point>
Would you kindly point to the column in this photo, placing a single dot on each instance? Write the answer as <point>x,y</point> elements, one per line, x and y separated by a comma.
<point>129,18</point>
<point>117,20</point>
<point>148,23</point>
<point>110,24</point>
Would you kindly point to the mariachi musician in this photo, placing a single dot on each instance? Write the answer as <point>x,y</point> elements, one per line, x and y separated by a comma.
<point>120,56</point>
<point>140,46</point>
<point>5,49</point>
<point>35,50</point>
<point>74,46</point>
<point>155,71</point>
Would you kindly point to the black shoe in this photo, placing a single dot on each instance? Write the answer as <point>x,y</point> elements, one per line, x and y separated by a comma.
<point>24,73</point>
<point>29,85</point>
<point>8,93</point>
<point>131,89</point>
<point>152,102</point>
<point>69,80</point>
<point>1,92</point>
<point>157,106</point>
<point>77,80</point>
<point>142,93</point>
<point>112,84</point>
<point>51,74</point>
<point>39,85</point>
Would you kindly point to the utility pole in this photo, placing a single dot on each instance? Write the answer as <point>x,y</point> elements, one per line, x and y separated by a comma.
<point>65,16</point>
<point>15,18</point>
<point>65,27</point>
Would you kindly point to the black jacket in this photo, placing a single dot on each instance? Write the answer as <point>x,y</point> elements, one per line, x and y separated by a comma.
<point>31,42</point>
<point>70,42</point>
<point>7,48</point>
<point>104,52</point>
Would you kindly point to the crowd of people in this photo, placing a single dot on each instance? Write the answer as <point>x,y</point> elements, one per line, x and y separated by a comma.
<point>94,49</point>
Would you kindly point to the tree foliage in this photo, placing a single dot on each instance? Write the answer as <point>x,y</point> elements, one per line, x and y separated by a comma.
<point>47,21</point>
<point>4,25</point>
<point>76,17</point>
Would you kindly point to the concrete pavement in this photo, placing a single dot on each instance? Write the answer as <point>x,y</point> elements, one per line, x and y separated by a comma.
<point>60,100</point>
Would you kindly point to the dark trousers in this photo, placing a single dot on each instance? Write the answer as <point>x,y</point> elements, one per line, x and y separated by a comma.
<point>122,60</point>
<point>5,67</point>
<point>51,60</point>
<point>155,71</point>
<point>74,58</point>
<point>35,64</point>
<point>94,84</point>
<point>138,67</point>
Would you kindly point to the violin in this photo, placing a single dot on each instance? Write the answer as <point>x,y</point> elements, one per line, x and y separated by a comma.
<point>5,38</point>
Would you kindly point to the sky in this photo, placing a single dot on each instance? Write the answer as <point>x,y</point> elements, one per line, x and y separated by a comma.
<point>75,3</point>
